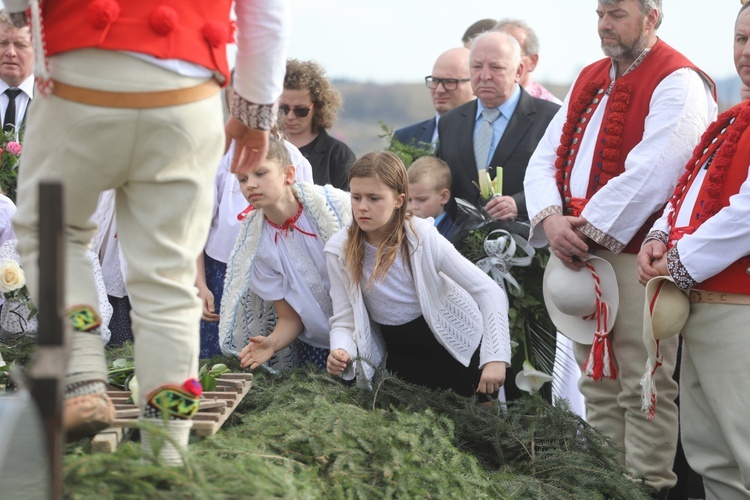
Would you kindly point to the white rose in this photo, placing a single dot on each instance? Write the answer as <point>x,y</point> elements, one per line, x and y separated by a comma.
<point>11,276</point>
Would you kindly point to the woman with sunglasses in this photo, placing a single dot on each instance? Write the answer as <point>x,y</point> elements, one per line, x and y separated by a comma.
<point>307,108</point>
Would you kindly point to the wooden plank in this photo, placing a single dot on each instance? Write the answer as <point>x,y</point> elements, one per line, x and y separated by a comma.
<point>109,439</point>
<point>214,409</point>
<point>48,370</point>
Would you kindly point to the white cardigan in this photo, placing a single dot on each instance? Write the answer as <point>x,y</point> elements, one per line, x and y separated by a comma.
<point>461,304</point>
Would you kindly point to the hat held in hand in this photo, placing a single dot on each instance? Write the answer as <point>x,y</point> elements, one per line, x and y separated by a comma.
<point>665,312</point>
<point>583,306</point>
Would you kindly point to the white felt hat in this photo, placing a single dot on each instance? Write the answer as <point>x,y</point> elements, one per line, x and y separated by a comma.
<point>570,297</point>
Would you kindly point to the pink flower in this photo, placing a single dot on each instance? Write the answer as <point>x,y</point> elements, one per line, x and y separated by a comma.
<point>13,148</point>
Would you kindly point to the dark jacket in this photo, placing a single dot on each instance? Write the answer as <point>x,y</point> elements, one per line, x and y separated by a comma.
<point>330,160</point>
<point>525,128</point>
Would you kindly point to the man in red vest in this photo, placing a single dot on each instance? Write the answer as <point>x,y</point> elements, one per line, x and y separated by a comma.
<point>129,99</point>
<point>703,242</point>
<point>609,161</point>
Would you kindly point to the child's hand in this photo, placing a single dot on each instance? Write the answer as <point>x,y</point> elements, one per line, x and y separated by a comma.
<point>337,361</point>
<point>258,351</point>
<point>493,377</point>
<point>209,309</point>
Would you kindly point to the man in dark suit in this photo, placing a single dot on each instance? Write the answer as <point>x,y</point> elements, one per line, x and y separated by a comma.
<point>449,87</point>
<point>16,78</point>
<point>503,125</point>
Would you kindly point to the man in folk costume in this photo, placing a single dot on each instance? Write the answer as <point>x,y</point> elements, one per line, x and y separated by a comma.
<point>607,163</point>
<point>128,99</point>
<point>702,241</point>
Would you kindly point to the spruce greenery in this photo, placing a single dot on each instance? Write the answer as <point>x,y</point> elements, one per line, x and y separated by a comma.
<point>305,434</point>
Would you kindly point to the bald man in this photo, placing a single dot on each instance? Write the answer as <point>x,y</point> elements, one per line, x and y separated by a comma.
<point>449,88</point>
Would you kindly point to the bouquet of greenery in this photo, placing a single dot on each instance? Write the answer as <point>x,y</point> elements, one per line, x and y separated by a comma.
<point>10,155</point>
<point>500,248</point>
<point>408,153</point>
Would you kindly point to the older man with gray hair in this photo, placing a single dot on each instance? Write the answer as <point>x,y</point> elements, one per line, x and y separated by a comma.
<point>499,129</point>
<point>529,43</point>
<point>602,173</point>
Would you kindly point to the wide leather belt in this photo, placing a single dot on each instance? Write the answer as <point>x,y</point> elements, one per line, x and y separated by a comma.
<point>135,100</point>
<point>707,297</point>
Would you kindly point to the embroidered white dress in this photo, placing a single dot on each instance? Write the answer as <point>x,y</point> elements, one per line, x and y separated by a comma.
<point>291,266</point>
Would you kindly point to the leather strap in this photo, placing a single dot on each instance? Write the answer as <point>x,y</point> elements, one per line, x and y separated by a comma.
<point>135,100</point>
<point>706,297</point>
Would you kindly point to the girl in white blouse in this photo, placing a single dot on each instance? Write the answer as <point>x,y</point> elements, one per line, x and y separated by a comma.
<point>276,287</point>
<point>399,287</point>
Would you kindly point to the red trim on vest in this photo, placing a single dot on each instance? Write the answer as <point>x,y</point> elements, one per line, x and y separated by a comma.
<point>196,31</point>
<point>725,176</point>
<point>628,103</point>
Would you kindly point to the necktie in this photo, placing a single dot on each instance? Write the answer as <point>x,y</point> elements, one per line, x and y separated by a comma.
<point>9,123</point>
<point>483,140</point>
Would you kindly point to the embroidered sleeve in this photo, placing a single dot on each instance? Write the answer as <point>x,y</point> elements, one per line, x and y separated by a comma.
<point>550,210</point>
<point>257,116</point>
<point>678,272</point>
<point>602,238</point>
<point>657,235</point>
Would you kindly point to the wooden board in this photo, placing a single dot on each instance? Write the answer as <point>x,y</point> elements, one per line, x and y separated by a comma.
<point>214,409</point>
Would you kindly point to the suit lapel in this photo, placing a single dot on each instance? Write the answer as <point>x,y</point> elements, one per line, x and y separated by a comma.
<point>518,126</point>
<point>428,129</point>
<point>466,141</point>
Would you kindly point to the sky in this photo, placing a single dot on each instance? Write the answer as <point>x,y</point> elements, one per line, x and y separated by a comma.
<point>397,41</point>
<point>390,41</point>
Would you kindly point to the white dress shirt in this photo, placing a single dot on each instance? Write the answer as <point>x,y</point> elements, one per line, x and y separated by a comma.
<point>22,99</point>
<point>681,108</point>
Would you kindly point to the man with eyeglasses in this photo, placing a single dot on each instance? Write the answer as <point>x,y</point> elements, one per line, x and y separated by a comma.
<point>449,87</point>
<point>500,128</point>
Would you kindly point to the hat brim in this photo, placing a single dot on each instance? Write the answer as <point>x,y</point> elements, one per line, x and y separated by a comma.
<point>666,308</point>
<point>576,328</point>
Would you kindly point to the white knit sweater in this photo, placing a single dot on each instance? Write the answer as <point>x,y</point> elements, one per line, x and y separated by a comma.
<point>243,313</point>
<point>461,304</point>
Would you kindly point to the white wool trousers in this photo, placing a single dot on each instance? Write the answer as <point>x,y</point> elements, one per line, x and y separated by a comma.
<point>714,402</point>
<point>162,163</point>
<point>614,406</point>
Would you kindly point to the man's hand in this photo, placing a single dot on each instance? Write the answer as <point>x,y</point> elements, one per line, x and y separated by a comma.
<point>652,261</point>
<point>258,351</point>
<point>209,308</point>
<point>566,239</point>
<point>493,377</point>
<point>502,208</point>
<point>337,361</point>
<point>251,146</point>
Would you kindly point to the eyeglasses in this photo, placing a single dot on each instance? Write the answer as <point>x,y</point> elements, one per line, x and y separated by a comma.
<point>448,83</point>
<point>299,111</point>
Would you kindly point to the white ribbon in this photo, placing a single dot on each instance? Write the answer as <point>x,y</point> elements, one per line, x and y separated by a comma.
<point>501,257</point>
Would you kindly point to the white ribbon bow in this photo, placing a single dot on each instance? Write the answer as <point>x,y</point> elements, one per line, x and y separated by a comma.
<point>501,257</point>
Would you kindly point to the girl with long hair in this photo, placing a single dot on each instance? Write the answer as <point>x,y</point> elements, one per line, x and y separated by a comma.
<point>399,287</point>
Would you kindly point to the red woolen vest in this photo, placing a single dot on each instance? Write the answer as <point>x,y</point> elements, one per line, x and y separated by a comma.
<point>628,103</point>
<point>191,30</point>
<point>736,277</point>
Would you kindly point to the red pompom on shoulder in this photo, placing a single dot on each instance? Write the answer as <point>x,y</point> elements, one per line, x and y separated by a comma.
<point>163,20</point>
<point>217,33</point>
<point>102,13</point>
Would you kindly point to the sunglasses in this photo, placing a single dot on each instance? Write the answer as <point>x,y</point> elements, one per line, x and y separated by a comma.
<point>299,111</point>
